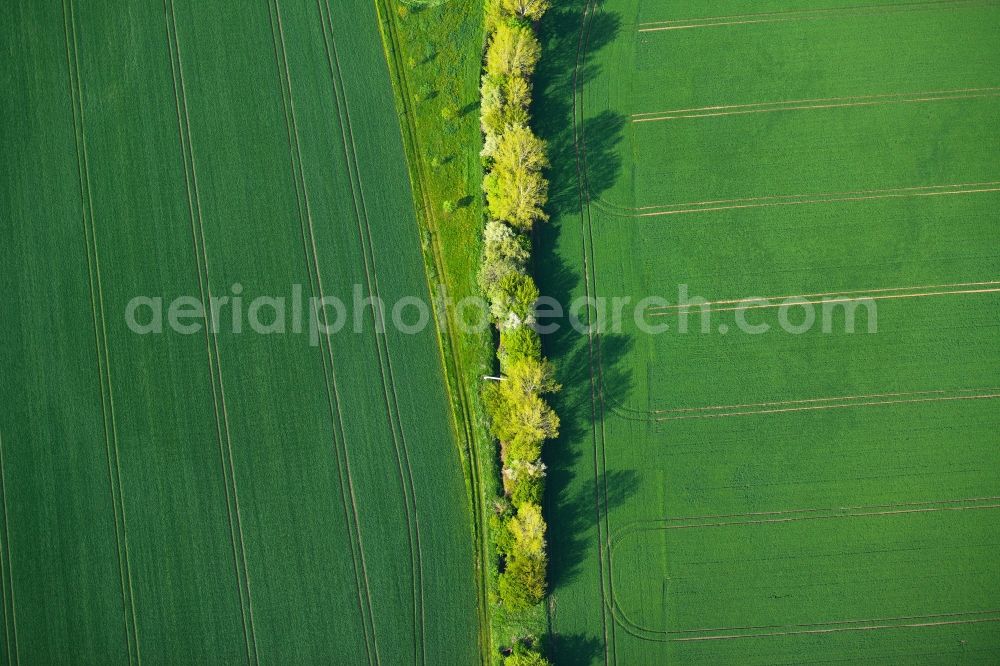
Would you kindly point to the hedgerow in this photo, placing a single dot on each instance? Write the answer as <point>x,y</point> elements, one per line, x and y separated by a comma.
<point>520,417</point>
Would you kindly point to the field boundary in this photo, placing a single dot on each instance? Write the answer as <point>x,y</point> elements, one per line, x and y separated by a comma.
<point>594,348</point>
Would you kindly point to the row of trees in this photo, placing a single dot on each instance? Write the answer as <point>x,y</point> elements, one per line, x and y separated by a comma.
<point>521,418</point>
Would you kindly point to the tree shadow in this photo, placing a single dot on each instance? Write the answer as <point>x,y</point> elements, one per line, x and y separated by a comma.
<point>574,502</point>
<point>577,513</point>
<point>468,108</point>
<point>567,64</point>
<point>602,162</point>
<point>579,499</point>
<point>574,648</point>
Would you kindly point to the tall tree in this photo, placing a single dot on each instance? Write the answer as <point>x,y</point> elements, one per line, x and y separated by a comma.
<point>513,51</point>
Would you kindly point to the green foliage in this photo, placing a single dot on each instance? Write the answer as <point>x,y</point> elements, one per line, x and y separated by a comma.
<point>518,343</point>
<point>531,376</point>
<point>522,584</point>
<point>505,252</point>
<point>522,655</point>
<point>517,91</point>
<point>494,15</point>
<point>523,443</point>
<point>531,10</point>
<point>449,113</point>
<point>513,51</point>
<point>503,540</point>
<point>491,104</point>
<point>519,416</point>
<point>524,479</point>
<point>448,206</point>
<point>527,490</point>
<point>512,300</point>
<point>504,103</point>
<point>515,189</point>
<point>516,194</point>
<point>520,150</point>
<point>528,530</point>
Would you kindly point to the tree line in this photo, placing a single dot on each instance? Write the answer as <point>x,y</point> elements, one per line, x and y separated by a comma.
<point>521,419</point>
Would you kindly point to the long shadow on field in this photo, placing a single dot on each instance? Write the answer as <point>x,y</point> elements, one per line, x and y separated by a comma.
<point>574,648</point>
<point>562,58</point>
<point>571,499</point>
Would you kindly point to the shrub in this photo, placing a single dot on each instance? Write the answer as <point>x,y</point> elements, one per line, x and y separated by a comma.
<point>518,415</point>
<point>528,530</point>
<point>502,538</point>
<point>521,425</point>
<point>525,479</point>
<point>522,584</point>
<point>504,102</point>
<point>525,445</point>
<point>491,103</point>
<point>522,655</point>
<point>531,376</point>
<point>527,491</point>
<point>518,343</point>
<point>512,300</point>
<point>517,97</point>
<point>504,252</point>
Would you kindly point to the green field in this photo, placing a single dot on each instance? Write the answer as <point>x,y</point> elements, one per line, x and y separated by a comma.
<point>726,497</point>
<point>218,497</point>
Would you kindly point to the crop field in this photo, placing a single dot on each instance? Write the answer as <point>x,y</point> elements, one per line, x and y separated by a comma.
<point>220,496</point>
<point>804,494</point>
